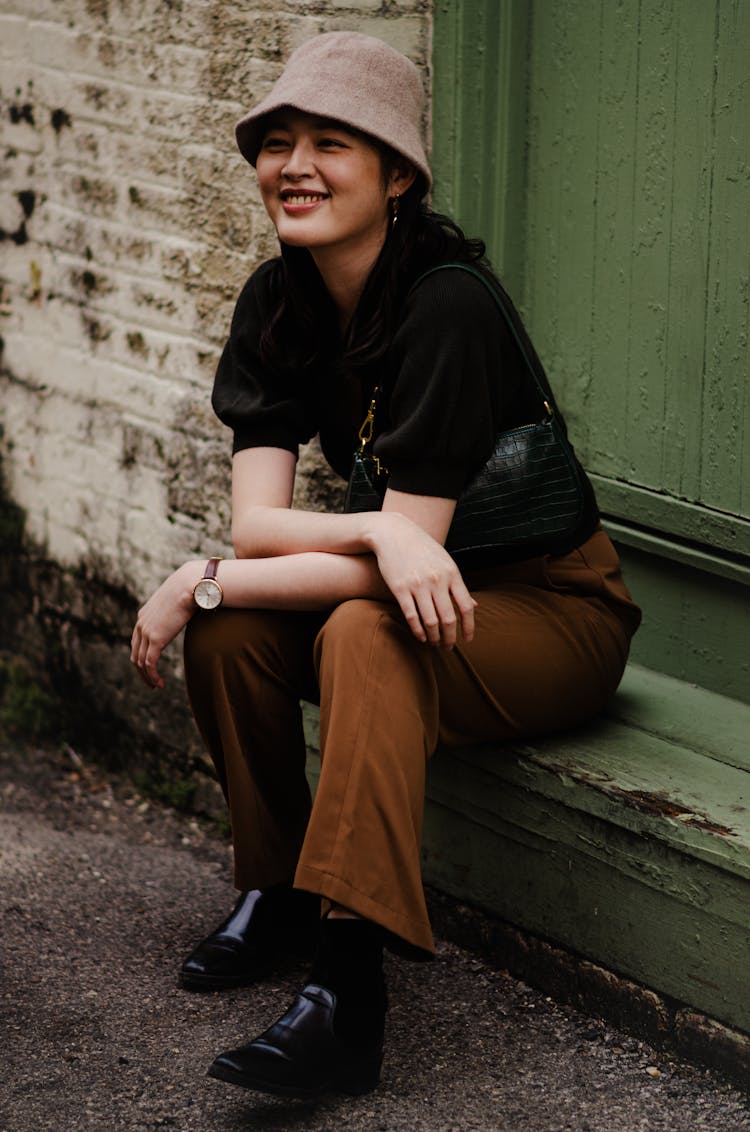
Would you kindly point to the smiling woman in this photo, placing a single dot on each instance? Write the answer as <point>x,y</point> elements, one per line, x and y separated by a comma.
<point>325,189</point>
<point>379,311</point>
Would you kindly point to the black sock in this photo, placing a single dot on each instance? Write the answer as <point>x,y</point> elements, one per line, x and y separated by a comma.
<point>349,962</point>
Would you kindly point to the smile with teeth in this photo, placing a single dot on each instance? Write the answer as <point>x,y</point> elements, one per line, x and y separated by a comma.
<point>301,197</point>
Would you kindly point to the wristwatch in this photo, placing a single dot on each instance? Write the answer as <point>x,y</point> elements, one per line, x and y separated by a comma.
<point>207,593</point>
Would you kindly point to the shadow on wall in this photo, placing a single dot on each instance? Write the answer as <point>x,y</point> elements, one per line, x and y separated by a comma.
<point>66,678</point>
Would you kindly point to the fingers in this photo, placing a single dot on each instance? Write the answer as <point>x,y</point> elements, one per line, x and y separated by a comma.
<point>450,607</point>
<point>447,622</point>
<point>144,654</point>
<point>150,667</point>
<point>465,604</point>
<point>411,615</point>
<point>418,607</point>
<point>436,611</point>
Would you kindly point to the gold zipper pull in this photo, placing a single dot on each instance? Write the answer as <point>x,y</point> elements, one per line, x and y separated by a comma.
<point>368,424</point>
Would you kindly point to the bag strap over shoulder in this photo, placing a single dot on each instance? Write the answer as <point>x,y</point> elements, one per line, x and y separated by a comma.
<point>467,267</point>
<point>367,427</point>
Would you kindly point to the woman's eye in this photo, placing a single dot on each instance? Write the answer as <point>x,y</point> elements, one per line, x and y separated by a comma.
<point>331,143</point>
<point>274,142</point>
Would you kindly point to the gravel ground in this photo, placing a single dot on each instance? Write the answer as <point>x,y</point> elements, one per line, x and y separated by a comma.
<point>102,893</point>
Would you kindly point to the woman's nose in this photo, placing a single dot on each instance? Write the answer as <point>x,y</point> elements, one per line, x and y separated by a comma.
<point>299,160</point>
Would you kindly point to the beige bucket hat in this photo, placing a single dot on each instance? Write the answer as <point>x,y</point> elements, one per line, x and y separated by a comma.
<point>355,78</point>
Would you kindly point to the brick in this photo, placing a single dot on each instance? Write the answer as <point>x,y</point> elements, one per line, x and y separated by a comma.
<point>11,212</point>
<point>157,207</point>
<point>225,270</point>
<point>73,324</point>
<point>360,7</point>
<point>89,193</point>
<point>149,353</point>
<point>45,87</point>
<point>27,270</point>
<point>153,394</point>
<point>14,80</point>
<point>186,22</point>
<point>81,146</point>
<point>97,99</point>
<point>406,34</point>
<point>107,244</point>
<point>148,161</point>
<point>14,37</point>
<point>182,68</point>
<point>78,282</point>
<point>61,47</point>
<point>157,306</point>
<point>40,349</point>
<point>27,9</point>
<point>217,216</point>
<point>19,109</point>
<point>176,117</point>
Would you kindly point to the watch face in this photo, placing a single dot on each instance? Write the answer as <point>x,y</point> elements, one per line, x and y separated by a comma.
<point>207,594</point>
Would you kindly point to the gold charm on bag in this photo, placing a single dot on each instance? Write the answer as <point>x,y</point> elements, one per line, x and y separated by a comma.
<point>366,430</point>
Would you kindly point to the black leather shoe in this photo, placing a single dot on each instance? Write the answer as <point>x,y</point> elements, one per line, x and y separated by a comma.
<point>301,1056</point>
<point>241,951</point>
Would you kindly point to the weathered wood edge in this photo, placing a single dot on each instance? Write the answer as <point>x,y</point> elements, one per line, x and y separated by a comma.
<point>573,980</point>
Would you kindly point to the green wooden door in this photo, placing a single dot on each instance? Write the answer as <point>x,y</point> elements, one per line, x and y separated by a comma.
<point>609,141</point>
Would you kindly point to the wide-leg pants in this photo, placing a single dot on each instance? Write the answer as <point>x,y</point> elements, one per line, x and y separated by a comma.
<point>551,641</point>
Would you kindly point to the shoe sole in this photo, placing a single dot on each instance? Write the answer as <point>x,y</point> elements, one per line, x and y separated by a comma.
<point>353,1087</point>
<point>212,983</point>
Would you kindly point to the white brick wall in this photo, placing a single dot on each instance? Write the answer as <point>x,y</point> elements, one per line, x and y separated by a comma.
<point>116,128</point>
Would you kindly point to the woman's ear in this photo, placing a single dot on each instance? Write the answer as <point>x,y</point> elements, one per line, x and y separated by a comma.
<point>402,178</point>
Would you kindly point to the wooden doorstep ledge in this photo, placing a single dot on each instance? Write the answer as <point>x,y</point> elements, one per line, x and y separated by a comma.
<point>626,842</point>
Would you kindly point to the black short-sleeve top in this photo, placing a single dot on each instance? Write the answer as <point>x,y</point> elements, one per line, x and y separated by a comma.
<point>452,379</point>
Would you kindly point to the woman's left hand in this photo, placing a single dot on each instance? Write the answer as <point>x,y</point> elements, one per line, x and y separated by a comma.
<point>423,578</point>
<point>159,621</point>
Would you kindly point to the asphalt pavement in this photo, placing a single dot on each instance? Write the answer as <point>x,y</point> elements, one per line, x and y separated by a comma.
<point>102,893</point>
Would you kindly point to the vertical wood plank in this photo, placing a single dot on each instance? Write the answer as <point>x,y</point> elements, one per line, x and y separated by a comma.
<point>641,460</point>
<point>479,123</point>
<point>542,217</point>
<point>564,119</point>
<point>725,470</point>
<point>447,85</point>
<point>693,47</point>
<point>607,407</point>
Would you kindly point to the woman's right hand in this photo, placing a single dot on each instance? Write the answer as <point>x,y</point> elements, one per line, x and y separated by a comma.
<point>424,580</point>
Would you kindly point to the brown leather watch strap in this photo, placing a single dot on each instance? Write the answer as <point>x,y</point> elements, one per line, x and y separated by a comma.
<point>211,567</point>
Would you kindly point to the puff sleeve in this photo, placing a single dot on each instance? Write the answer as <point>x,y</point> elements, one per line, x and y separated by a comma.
<point>263,409</point>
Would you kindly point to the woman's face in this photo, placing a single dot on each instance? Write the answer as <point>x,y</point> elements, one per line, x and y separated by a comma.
<point>322,185</point>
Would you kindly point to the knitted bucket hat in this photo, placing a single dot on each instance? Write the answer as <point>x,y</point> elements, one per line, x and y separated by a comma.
<point>358,80</point>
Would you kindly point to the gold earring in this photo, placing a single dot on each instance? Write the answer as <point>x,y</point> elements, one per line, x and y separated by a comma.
<point>394,210</point>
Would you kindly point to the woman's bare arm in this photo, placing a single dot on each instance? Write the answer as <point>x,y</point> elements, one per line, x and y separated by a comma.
<point>263,525</point>
<point>307,561</point>
<point>422,578</point>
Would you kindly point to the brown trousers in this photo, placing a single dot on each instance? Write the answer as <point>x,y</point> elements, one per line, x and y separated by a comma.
<point>552,638</point>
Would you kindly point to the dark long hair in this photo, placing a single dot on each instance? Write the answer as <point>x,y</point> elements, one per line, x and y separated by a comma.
<point>303,323</point>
